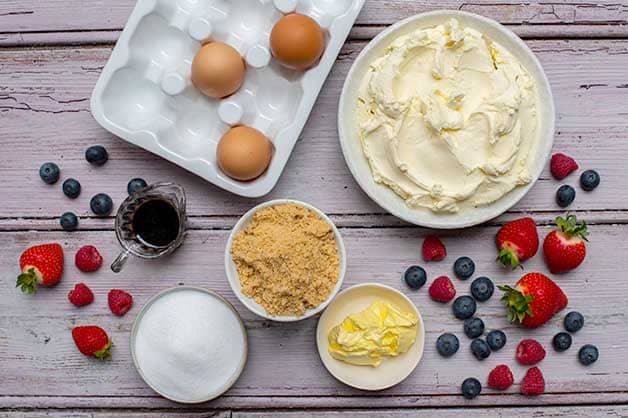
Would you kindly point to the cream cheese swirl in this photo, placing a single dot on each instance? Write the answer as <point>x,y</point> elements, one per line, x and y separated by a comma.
<point>448,118</point>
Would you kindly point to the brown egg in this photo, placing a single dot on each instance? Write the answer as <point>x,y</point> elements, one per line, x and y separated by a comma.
<point>297,41</point>
<point>218,70</point>
<point>244,153</point>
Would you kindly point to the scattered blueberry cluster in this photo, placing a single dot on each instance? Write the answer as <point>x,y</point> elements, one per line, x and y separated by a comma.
<point>573,322</point>
<point>100,204</point>
<point>465,307</point>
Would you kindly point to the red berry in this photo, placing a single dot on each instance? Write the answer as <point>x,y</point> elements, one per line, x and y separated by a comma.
<point>534,300</point>
<point>92,341</point>
<point>530,352</point>
<point>442,289</point>
<point>40,265</point>
<point>500,377</point>
<point>88,259</point>
<point>81,295</point>
<point>562,166</point>
<point>119,301</point>
<point>433,249</point>
<point>517,241</point>
<point>533,382</point>
<point>565,248</point>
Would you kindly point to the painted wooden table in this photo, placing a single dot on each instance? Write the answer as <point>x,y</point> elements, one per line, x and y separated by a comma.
<point>51,53</point>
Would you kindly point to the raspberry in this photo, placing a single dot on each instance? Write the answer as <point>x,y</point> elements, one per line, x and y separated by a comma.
<point>433,249</point>
<point>533,382</point>
<point>81,295</point>
<point>500,377</point>
<point>119,301</point>
<point>562,166</point>
<point>530,352</point>
<point>88,259</point>
<point>442,289</point>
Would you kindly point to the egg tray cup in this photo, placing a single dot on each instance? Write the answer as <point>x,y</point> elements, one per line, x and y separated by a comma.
<point>145,94</point>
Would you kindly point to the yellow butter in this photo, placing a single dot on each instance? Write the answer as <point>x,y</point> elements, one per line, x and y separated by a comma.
<point>364,338</point>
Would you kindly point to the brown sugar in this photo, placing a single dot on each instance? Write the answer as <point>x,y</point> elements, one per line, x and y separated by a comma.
<point>287,259</point>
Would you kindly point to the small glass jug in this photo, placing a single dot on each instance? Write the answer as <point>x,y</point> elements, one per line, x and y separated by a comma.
<point>151,223</point>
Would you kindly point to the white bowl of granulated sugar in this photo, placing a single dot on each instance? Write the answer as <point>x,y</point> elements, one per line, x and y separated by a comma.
<point>189,344</point>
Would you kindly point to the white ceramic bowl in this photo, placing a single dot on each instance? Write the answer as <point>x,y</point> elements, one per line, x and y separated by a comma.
<point>224,385</point>
<point>392,370</point>
<point>234,280</point>
<point>352,148</point>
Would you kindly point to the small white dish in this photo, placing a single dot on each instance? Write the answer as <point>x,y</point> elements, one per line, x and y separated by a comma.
<point>218,387</point>
<point>232,272</point>
<point>391,371</point>
<point>352,148</point>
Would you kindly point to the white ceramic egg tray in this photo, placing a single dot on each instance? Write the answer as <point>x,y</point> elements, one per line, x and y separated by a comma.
<point>145,96</point>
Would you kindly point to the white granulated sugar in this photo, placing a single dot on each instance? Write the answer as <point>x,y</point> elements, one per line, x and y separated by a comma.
<point>189,345</point>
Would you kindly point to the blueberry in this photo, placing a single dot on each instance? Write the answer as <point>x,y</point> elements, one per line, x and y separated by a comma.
<point>574,321</point>
<point>482,289</point>
<point>473,327</point>
<point>471,387</point>
<point>589,180</point>
<point>101,204</point>
<point>447,345</point>
<point>96,155</point>
<point>135,184</point>
<point>49,173</point>
<point>480,349</point>
<point>415,277</point>
<point>588,354</point>
<point>464,268</point>
<point>72,188</point>
<point>561,341</point>
<point>464,307</point>
<point>496,339</point>
<point>565,195</point>
<point>68,221</point>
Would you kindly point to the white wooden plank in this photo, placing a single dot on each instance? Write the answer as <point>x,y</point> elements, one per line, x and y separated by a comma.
<point>572,412</point>
<point>36,350</point>
<point>552,411</point>
<point>44,97</point>
<point>99,15</point>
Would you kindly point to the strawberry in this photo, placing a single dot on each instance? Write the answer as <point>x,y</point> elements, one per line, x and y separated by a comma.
<point>534,300</point>
<point>41,264</point>
<point>81,295</point>
<point>530,352</point>
<point>433,249</point>
<point>92,341</point>
<point>88,259</point>
<point>533,382</point>
<point>442,289</point>
<point>500,377</point>
<point>517,241</point>
<point>564,248</point>
<point>561,166</point>
<point>119,301</point>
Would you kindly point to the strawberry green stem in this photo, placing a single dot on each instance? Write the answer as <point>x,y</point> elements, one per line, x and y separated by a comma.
<point>517,303</point>
<point>509,257</point>
<point>569,226</point>
<point>104,353</point>
<point>27,282</point>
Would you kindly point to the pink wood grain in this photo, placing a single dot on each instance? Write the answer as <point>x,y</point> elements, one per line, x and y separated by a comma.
<point>100,15</point>
<point>48,67</point>
<point>44,106</point>
<point>37,351</point>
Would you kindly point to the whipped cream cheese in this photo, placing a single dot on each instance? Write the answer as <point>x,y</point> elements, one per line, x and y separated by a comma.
<point>448,118</point>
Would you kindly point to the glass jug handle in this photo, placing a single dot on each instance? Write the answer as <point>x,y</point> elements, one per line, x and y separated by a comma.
<point>119,262</point>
